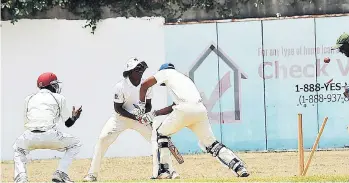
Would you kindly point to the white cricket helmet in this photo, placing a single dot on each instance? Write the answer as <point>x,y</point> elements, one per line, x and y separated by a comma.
<point>132,63</point>
<point>135,63</point>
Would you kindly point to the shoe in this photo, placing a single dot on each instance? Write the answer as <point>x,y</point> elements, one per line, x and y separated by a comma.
<point>165,175</point>
<point>242,172</point>
<point>59,176</point>
<point>90,178</point>
<point>175,175</point>
<point>21,178</point>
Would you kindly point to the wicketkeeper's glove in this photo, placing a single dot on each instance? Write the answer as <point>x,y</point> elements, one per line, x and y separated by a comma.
<point>147,118</point>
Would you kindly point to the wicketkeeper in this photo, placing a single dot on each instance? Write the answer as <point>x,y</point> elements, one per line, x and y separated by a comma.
<point>44,110</point>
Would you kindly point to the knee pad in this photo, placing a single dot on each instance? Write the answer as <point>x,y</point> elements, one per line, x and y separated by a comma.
<point>163,141</point>
<point>226,156</point>
<point>21,151</point>
<point>163,168</point>
<point>21,155</point>
<point>215,148</point>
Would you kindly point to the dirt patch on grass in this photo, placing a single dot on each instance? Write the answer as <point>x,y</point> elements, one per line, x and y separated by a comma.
<point>195,167</point>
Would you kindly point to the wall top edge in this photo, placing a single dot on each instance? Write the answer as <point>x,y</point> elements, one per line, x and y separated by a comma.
<point>257,19</point>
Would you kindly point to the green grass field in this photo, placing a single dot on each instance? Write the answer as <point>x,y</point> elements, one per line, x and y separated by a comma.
<point>326,166</point>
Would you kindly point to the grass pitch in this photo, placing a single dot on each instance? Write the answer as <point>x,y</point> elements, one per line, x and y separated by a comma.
<point>326,166</point>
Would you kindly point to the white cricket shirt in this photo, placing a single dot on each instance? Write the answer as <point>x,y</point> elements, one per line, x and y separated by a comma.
<point>182,88</point>
<point>127,93</point>
<point>44,110</point>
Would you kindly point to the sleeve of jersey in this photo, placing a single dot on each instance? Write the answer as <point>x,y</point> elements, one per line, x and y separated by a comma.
<point>160,76</point>
<point>149,94</point>
<point>119,95</point>
<point>65,112</point>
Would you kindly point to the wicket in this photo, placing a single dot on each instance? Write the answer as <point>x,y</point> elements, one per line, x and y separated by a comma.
<point>300,144</point>
<point>302,170</point>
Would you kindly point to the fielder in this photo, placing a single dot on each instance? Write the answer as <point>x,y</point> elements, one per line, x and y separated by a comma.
<point>125,116</point>
<point>43,111</point>
<point>343,45</point>
<point>187,111</point>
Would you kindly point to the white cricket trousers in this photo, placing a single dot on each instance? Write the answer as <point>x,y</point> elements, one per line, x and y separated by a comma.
<point>111,130</point>
<point>193,116</point>
<point>51,139</point>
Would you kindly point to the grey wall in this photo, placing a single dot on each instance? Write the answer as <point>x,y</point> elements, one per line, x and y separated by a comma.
<point>223,9</point>
<point>269,8</point>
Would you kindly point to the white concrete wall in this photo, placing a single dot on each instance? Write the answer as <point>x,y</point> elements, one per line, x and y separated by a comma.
<point>89,65</point>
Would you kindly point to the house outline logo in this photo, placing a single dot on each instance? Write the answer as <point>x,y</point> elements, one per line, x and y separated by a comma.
<point>238,75</point>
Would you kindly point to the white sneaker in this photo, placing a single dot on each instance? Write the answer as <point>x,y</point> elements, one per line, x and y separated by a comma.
<point>59,176</point>
<point>175,175</point>
<point>166,175</point>
<point>90,178</point>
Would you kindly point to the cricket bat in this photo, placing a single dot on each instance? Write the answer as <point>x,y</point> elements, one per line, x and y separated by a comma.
<point>173,149</point>
<point>175,152</point>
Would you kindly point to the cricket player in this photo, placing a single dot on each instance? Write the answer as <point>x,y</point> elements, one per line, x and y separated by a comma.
<point>343,45</point>
<point>187,111</point>
<point>43,112</point>
<point>125,116</point>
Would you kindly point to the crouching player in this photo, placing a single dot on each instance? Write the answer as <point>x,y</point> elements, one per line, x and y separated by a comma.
<point>43,111</point>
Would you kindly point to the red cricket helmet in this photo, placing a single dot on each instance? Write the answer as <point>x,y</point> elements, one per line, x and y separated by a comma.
<point>48,78</point>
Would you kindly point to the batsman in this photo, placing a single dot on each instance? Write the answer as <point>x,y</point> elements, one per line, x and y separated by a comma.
<point>186,111</point>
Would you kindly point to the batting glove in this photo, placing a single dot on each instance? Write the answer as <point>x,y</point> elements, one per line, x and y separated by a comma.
<point>147,118</point>
<point>140,108</point>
